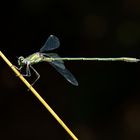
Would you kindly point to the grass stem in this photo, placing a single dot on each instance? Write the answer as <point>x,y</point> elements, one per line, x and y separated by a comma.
<point>38,96</point>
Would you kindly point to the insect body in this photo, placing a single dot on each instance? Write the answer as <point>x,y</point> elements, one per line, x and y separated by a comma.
<point>51,44</point>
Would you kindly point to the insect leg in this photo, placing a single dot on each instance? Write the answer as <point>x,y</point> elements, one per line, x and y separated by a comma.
<point>28,73</point>
<point>18,68</point>
<point>38,75</point>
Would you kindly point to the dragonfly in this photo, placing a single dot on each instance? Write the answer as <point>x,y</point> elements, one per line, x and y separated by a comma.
<point>52,43</point>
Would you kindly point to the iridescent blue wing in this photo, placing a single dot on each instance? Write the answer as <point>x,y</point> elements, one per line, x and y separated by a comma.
<point>51,44</point>
<point>58,63</point>
<point>66,74</point>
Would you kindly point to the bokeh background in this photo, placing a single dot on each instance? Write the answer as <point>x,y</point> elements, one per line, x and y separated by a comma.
<point>106,104</point>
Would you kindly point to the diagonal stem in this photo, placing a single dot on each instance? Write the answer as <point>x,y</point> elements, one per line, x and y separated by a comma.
<point>38,96</point>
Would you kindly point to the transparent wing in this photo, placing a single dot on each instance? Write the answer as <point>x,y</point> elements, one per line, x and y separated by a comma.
<point>51,44</point>
<point>66,74</point>
<point>58,63</point>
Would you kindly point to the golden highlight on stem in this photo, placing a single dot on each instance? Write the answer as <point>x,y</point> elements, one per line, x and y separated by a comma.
<point>38,96</point>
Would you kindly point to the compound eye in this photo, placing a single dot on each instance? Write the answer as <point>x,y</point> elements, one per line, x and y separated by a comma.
<point>21,58</point>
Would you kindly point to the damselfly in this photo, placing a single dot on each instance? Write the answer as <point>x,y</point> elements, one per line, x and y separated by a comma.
<point>57,62</point>
<point>51,44</point>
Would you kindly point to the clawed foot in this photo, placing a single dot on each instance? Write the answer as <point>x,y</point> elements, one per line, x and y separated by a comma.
<point>17,69</point>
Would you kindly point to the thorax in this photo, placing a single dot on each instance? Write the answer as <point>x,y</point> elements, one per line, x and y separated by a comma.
<point>34,58</point>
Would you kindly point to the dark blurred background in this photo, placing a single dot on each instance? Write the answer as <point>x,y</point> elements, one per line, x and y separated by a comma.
<point>106,104</point>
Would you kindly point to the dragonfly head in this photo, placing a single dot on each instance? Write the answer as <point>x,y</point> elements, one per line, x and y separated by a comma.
<point>21,61</point>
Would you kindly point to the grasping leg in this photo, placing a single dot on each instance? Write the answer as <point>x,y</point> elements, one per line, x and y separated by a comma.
<point>38,75</point>
<point>28,73</point>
